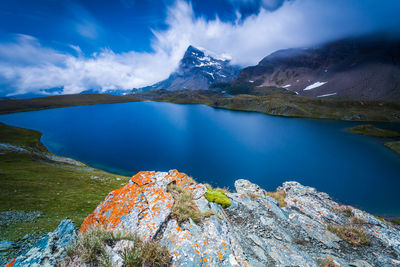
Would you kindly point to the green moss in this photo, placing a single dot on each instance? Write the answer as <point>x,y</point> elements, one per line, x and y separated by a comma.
<point>370,130</point>
<point>217,196</point>
<point>30,182</point>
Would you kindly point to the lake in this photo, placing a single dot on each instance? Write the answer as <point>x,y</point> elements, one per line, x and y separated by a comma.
<point>219,146</point>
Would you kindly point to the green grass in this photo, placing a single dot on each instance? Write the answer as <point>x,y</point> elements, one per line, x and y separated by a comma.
<point>90,249</point>
<point>370,130</point>
<point>147,253</point>
<point>184,206</point>
<point>279,196</point>
<point>218,196</point>
<point>58,190</point>
<point>396,221</point>
<point>395,146</point>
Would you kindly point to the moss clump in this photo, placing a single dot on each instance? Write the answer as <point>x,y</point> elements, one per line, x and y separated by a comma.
<point>218,196</point>
<point>350,234</point>
<point>370,130</point>
<point>278,196</point>
<point>146,253</point>
<point>184,206</point>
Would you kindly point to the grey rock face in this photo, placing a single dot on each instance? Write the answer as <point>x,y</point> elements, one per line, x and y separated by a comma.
<point>297,235</point>
<point>253,231</point>
<point>51,248</point>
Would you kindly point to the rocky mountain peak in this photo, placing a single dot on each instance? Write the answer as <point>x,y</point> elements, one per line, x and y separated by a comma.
<point>196,71</point>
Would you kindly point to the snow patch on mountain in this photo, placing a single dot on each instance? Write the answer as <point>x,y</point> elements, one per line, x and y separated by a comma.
<point>314,85</point>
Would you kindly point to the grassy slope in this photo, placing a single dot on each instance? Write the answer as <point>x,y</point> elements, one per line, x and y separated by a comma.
<point>19,105</point>
<point>371,130</point>
<point>31,182</point>
<point>285,105</point>
<point>395,146</point>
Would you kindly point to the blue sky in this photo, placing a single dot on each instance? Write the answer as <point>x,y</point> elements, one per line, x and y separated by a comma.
<point>78,45</point>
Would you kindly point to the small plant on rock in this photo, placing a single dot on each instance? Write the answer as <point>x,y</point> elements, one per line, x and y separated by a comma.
<point>146,253</point>
<point>278,196</point>
<point>350,234</point>
<point>347,210</point>
<point>328,263</point>
<point>184,206</point>
<point>90,247</point>
<point>358,220</point>
<point>209,213</point>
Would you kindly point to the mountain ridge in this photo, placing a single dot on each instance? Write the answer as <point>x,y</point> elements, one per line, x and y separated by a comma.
<point>196,71</point>
<point>361,68</point>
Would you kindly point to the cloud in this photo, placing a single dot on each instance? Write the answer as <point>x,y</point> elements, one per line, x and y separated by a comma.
<point>26,65</point>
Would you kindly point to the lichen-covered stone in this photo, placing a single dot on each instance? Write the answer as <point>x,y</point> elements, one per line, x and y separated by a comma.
<point>50,249</point>
<point>254,231</point>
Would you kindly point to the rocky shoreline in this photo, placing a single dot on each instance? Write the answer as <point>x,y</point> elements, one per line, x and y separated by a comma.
<point>294,226</point>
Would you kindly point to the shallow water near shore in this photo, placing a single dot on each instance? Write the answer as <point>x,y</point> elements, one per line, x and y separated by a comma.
<point>219,146</point>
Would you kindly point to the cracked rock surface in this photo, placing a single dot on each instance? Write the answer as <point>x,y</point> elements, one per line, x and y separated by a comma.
<point>254,231</point>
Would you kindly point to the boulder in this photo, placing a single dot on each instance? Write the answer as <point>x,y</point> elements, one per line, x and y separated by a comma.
<point>50,249</point>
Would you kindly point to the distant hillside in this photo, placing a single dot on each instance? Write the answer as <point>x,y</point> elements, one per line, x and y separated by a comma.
<point>365,68</point>
<point>196,71</point>
<point>59,101</point>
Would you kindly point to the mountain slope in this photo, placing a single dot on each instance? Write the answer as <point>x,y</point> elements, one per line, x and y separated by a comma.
<point>365,68</point>
<point>196,71</point>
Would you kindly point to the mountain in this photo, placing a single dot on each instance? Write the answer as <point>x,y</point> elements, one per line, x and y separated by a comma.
<point>364,68</point>
<point>175,221</point>
<point>196,71</point>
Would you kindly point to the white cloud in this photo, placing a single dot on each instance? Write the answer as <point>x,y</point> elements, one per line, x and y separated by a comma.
<point>28,66</point>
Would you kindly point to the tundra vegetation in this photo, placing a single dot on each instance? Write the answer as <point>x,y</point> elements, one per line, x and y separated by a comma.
<point>34,180</point>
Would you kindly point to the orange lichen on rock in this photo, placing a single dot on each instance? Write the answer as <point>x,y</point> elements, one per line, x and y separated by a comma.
<point>11,263</point>
<point>143,203</point>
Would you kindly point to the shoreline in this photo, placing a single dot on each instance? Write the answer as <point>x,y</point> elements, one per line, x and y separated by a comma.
<point>274,105</point>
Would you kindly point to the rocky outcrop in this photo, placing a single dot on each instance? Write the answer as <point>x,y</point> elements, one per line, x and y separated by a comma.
<point>49,250</point>
<point>305,228</point>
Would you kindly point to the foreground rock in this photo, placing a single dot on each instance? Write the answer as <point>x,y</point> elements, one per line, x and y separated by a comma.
<point>49,250</point>
<point>306,227</point>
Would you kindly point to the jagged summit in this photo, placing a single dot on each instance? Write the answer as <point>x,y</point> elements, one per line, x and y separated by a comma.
<point>196,71</point>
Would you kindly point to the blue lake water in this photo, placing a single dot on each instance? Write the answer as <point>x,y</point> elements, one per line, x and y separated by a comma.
<point>219,146</point>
